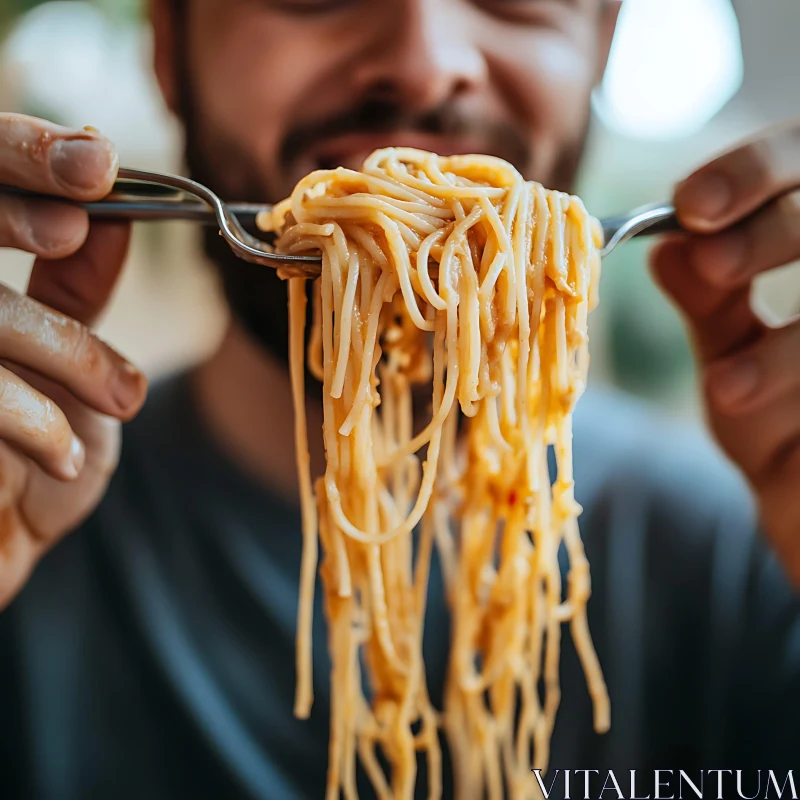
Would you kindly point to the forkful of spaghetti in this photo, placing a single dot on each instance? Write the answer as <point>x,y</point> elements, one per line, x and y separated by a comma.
<point>452,273</point>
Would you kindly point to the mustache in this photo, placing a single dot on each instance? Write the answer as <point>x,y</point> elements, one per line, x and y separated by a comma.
<point>385,116</point>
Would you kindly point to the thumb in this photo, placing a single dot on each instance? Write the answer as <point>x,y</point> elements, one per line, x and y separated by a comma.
<point>80,285</point>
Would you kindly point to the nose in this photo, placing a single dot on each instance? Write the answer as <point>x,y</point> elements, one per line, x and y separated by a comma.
<point>422,56</point>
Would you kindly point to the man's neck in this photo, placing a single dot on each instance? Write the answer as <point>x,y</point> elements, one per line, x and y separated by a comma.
<point>244,395</point>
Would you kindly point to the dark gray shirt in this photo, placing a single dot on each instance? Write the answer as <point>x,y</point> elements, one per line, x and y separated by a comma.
<point>151,655</point>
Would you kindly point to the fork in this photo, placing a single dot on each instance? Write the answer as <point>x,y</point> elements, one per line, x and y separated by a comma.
<point>143,196</point>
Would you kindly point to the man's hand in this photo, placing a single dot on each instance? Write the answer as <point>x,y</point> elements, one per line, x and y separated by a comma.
<point>62,390</point>
<point>743,210</point>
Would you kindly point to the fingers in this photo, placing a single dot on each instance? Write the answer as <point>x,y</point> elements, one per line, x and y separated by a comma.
<point>737,183</point>
<point>756,391</point>
<point>48,158</point>
<point>720,320</point>
<point>757,377</point>
<point>81,165</point>
<point>35,426</point>
<point>45,228</point>
<point>767,240</point>
<point>80,285</point>
<point>754,400</point>
<point>742,212</point>
<point>65,351</point>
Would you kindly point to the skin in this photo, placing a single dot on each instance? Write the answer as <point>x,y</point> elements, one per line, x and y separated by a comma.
<point>274,88</point>
<point>62,390</point>
<point>744,215</point>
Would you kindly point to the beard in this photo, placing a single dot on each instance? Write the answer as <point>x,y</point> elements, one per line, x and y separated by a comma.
<point>257,297</point>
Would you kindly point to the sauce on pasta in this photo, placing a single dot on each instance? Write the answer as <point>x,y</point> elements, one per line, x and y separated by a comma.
<point>458,275</point>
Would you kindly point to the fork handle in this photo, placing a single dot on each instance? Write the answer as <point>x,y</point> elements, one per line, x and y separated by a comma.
<point>139,202</point>
<point>669,224</point>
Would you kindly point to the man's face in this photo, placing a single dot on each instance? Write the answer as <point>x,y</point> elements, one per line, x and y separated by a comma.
<point>272,89</point>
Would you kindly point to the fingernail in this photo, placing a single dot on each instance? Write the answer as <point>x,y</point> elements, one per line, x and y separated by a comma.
<point>735,382</point>
<point>54,226</point>
<point>705,197</point>
<point>77,457</point>
<point>127,387</point>
<point>723,259</point>
<point>82,163</point>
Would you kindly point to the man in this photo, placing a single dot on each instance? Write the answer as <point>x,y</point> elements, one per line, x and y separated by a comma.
<point>148,635</point>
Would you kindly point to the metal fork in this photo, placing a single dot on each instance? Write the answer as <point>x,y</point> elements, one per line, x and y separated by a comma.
<point>139,195</point>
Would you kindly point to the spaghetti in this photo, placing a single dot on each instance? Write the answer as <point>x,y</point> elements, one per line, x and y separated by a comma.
<point>453,273</point>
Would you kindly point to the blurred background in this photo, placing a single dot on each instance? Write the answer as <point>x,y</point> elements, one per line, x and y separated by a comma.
<point>687,78</point>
